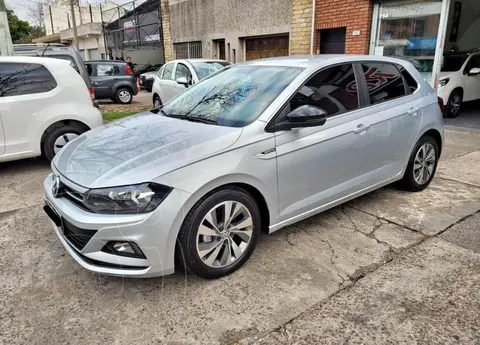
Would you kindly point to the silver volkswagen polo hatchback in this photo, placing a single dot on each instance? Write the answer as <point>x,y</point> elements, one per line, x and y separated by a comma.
<point>254,147</point>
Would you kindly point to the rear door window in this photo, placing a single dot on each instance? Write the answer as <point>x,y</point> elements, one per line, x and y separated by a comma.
<point>107,69</point>
<point>23,79</point>
<point>384,81</point>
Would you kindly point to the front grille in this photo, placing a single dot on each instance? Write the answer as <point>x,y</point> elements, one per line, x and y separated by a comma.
<point>78,237</point>
<point>74,196</point>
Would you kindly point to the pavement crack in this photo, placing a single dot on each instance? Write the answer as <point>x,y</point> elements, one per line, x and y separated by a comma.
<point>456,181</point>
<point>332,261</point>
<point>384,219</point>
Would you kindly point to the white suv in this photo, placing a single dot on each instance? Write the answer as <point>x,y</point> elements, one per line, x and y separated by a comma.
<point>44,103</point>
<point>459,80</point>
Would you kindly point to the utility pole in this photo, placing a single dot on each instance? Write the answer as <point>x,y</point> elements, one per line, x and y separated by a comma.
<point>74,23</point>
<point>6,47</point>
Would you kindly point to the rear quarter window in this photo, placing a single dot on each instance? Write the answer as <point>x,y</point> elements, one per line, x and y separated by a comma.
<point>22,79</point>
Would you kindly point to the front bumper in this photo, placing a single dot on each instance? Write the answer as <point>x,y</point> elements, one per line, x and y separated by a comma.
<point>154,233</point>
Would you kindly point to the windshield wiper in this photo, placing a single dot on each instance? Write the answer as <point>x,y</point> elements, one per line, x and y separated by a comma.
<point>192,118</point>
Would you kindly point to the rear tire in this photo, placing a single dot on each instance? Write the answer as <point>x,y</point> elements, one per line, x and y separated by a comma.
<point>59,137</point>
<point>452,109</point>
<point>212,245</point>
<point>124,96</point>
<point>422,165</point>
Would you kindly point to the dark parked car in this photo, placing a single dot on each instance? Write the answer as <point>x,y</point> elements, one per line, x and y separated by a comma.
<point>113,80</point>
<point>145,76</point>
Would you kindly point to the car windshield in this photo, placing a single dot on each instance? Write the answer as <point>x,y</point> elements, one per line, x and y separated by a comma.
<point>233,97</point>
<point>453,63</point>
<point>205,68</point>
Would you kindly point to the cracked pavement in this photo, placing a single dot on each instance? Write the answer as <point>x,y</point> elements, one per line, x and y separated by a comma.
<point>389,267</point>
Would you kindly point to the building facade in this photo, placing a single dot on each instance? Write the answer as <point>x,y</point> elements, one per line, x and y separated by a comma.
<point>59,26</point>
<point>228,29</point>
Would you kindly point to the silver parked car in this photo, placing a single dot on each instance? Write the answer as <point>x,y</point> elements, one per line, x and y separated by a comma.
<point>174,77</point>
<point>257,146</point>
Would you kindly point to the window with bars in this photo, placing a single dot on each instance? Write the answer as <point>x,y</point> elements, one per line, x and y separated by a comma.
<point>188,50</point>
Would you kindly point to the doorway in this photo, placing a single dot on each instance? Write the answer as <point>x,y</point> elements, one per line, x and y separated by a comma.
<point>332,41</point>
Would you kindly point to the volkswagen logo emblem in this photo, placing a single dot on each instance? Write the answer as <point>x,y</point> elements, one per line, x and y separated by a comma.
<point>55,186</point>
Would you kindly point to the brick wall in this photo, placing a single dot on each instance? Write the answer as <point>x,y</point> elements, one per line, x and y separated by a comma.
<point>352,14</point>
<point>301,26</point>
<point>167,36</point>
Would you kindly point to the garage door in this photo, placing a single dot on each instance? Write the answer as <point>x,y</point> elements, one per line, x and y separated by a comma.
<point>265,47</point>
<point>94,54</point>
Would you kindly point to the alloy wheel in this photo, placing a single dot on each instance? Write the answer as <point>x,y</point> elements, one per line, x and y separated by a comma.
<point>62,140</point>
<point>424,163</point>
<point>124,96</point>
<point>224,234</point>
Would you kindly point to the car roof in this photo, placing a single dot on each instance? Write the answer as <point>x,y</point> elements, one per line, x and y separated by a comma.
<point>198,60</point>
<point>307,61</point>
<point>35,59</point>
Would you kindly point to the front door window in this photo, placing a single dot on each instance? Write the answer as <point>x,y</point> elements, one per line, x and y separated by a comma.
<point>409,30</point>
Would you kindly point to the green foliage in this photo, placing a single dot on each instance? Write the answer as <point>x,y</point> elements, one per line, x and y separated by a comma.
<point>19,29</point>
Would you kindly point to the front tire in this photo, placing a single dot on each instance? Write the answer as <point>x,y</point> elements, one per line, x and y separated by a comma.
<point>422,165</point>
<point>157,102</point>
<point>58,138</point>
<point>219,233</point>
<point>124,96</point>
<point>454,104</point>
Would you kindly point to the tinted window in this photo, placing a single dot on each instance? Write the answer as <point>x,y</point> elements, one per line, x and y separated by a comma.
<point>168,71</point>
<point>474,62</point>
<point>89,69</point>
<point>183,71</point>
<point>333,89</point>
<point>453,63</point>
<point>407,77</point>
<point>384,81</point>
<point>108,69</point>
<point>23,79</point>
<point>233,97</point>
<point>205,68</point>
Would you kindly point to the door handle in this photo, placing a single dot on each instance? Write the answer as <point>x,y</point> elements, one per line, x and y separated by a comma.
<point>360,129</point>
<point>413,111</point>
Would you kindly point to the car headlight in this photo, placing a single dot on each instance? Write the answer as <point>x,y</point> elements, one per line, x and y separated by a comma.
<point>443,82</point>
<point>140,198</point>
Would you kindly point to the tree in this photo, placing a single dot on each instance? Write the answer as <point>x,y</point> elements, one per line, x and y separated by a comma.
<point>19,29</point>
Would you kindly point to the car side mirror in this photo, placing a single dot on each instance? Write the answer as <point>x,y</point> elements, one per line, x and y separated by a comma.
<point>183,81</point>
<point>474,71</point>
<point>306,116</point>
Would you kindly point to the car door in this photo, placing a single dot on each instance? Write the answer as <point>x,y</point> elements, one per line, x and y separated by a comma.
<point>27,90</point>
<point>318,165</point>
<point>105,75</point>
<point>472,81</point>
<point>182,70</point>
<point>168,86</point>
<point>394,113</point>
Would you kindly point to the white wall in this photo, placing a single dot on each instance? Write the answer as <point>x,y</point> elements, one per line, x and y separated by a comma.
<point>61,13</point>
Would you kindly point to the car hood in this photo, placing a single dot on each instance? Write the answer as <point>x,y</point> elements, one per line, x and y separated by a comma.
<point>148,75</point>
<point>443,75</point>
<point>139,149</point>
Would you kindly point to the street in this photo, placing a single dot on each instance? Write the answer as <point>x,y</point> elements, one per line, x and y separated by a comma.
<point>388,268</point>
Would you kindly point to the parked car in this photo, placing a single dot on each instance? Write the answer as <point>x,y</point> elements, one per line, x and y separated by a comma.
<point>257,146</point>
<point>459,80</point>
<point>174,77</point>
<point>44,104</point>
<point>58,51</point>
<point>146,77</point>
<point>112,80</point>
